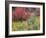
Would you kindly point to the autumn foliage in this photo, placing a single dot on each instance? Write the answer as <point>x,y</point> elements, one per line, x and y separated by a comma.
<point>24,19</point>
<point>20,13</point>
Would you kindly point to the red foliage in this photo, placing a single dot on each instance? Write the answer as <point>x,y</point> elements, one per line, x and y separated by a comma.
<point>20,13</point>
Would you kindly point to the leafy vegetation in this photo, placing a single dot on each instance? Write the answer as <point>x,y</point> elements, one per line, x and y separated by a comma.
<point>32,23</point>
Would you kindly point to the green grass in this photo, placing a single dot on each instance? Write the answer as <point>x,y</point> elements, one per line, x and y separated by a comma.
<point>32,24</point>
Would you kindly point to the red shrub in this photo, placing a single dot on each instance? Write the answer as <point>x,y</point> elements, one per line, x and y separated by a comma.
<point>20,13</point>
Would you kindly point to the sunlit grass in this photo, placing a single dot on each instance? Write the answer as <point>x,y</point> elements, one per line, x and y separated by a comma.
<point>31,24</point>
